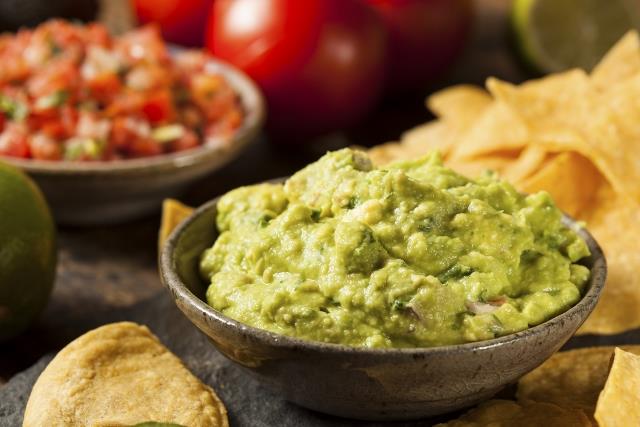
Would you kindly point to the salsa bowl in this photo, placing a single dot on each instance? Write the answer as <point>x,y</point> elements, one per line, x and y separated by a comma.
<point>364,383</point>
<point>93,193</point>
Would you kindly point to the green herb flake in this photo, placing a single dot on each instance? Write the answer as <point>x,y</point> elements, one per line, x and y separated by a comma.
<point>264,220</point>
<point>398,305</point>
<point>456,272</point>
<point>13,109</point>
<point>83,148</point>
<point>353,202</point>
<point>52,100</point>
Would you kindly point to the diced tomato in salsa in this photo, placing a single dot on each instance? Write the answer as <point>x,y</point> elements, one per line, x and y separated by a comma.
<point>158,107</point>
<point>13,141</point>
<point>73,92</point>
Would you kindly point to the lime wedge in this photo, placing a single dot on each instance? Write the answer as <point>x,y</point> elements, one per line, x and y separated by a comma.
<point>555,35</point>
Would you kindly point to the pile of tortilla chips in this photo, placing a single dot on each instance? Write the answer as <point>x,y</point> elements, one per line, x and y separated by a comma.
<point>572,134</point>
<point>573,388</point>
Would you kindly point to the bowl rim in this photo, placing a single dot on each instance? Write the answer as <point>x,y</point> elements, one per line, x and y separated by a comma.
<point>176,286</point>
<point>252,100</point>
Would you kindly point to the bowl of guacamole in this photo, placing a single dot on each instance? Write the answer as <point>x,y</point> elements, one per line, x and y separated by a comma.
<point>381,293</point>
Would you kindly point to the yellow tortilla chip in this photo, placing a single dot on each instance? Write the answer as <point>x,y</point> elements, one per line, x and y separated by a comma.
<point>615,130</point>
<point>619,64</point>
<point>120,375</point>
<point>562,98</point>
<point>428,137</point>
<point>616,226</point>
<point>507,413</point>
<point>499,128</point>
<point>416,142</point>
<point>571,180</point>
<point>607,122</point>
<point>570,378</point>
<point>619,402</point>
<point>461,103</point>
<point>528,162</point>
<point>388,153</point>
<point>496,162</point>
<point>173,213</point>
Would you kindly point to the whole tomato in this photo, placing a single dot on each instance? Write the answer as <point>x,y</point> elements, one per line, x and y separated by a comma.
<point>320,63</point>
<point>425,38</point>
<point>181,21</point>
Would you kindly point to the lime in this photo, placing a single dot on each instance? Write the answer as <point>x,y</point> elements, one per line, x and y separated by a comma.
<point>555,35</point>
<point>27,251</point>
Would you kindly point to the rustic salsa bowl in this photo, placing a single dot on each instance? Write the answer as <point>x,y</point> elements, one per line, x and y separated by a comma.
<point>363,383</point>
<point>92,193</point>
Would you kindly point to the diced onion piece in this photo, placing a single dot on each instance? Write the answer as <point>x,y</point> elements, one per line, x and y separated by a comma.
<point>53,100</point>
<point>168,133</point>
<point>83,148</point>
<point>477,307</point>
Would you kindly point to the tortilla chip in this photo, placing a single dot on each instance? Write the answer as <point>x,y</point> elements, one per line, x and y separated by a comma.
<point>619,64</point>
<point>550,108</point>
<point>498,129</point>
<point>416,142</point>
<point>461,103</point>
<point>496,162</point>
<point>431,136</point>
<point>173,213</point>
<point>507,413</point>
<point>619,402</point>
<point>615,225</point>
<point>571,180</point>
<point>570,379</point>
<point>389,152</point>
<point>120,374</point>
<point>528,162</point>
<point>615,130</point>
<point>562,99</point>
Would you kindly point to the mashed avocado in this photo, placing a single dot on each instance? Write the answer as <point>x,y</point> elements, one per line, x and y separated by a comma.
<point>411,255</point>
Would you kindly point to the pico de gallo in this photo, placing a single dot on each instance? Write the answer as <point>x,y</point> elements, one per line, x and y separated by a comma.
<point>73,92</point>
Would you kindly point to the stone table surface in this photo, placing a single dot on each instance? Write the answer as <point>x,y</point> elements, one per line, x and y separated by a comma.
<point>110,273</point>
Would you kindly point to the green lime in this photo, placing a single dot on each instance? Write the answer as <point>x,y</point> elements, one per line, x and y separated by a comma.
<point>555,35</point>
<point>27,251</point>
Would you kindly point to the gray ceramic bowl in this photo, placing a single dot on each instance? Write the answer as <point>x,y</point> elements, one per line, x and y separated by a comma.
<point>111,192</point>
<point>367,383</point>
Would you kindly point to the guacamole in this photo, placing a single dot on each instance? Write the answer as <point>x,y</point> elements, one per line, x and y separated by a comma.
<point>410,255</point>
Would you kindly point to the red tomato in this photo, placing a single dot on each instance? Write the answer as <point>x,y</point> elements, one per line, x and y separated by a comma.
<point>320,63</point>
<point>104,87</point>
<point>121,132</point>
<point>158,107</point>
<point>425,37</point>
<point>144,147</point>
<point>53,129</point>
<point>44,147</point>
<point>143,44</point>
<point>60,75</point>
<point>181,21</point>
<point>185,142</point>
<point>14,141</point>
